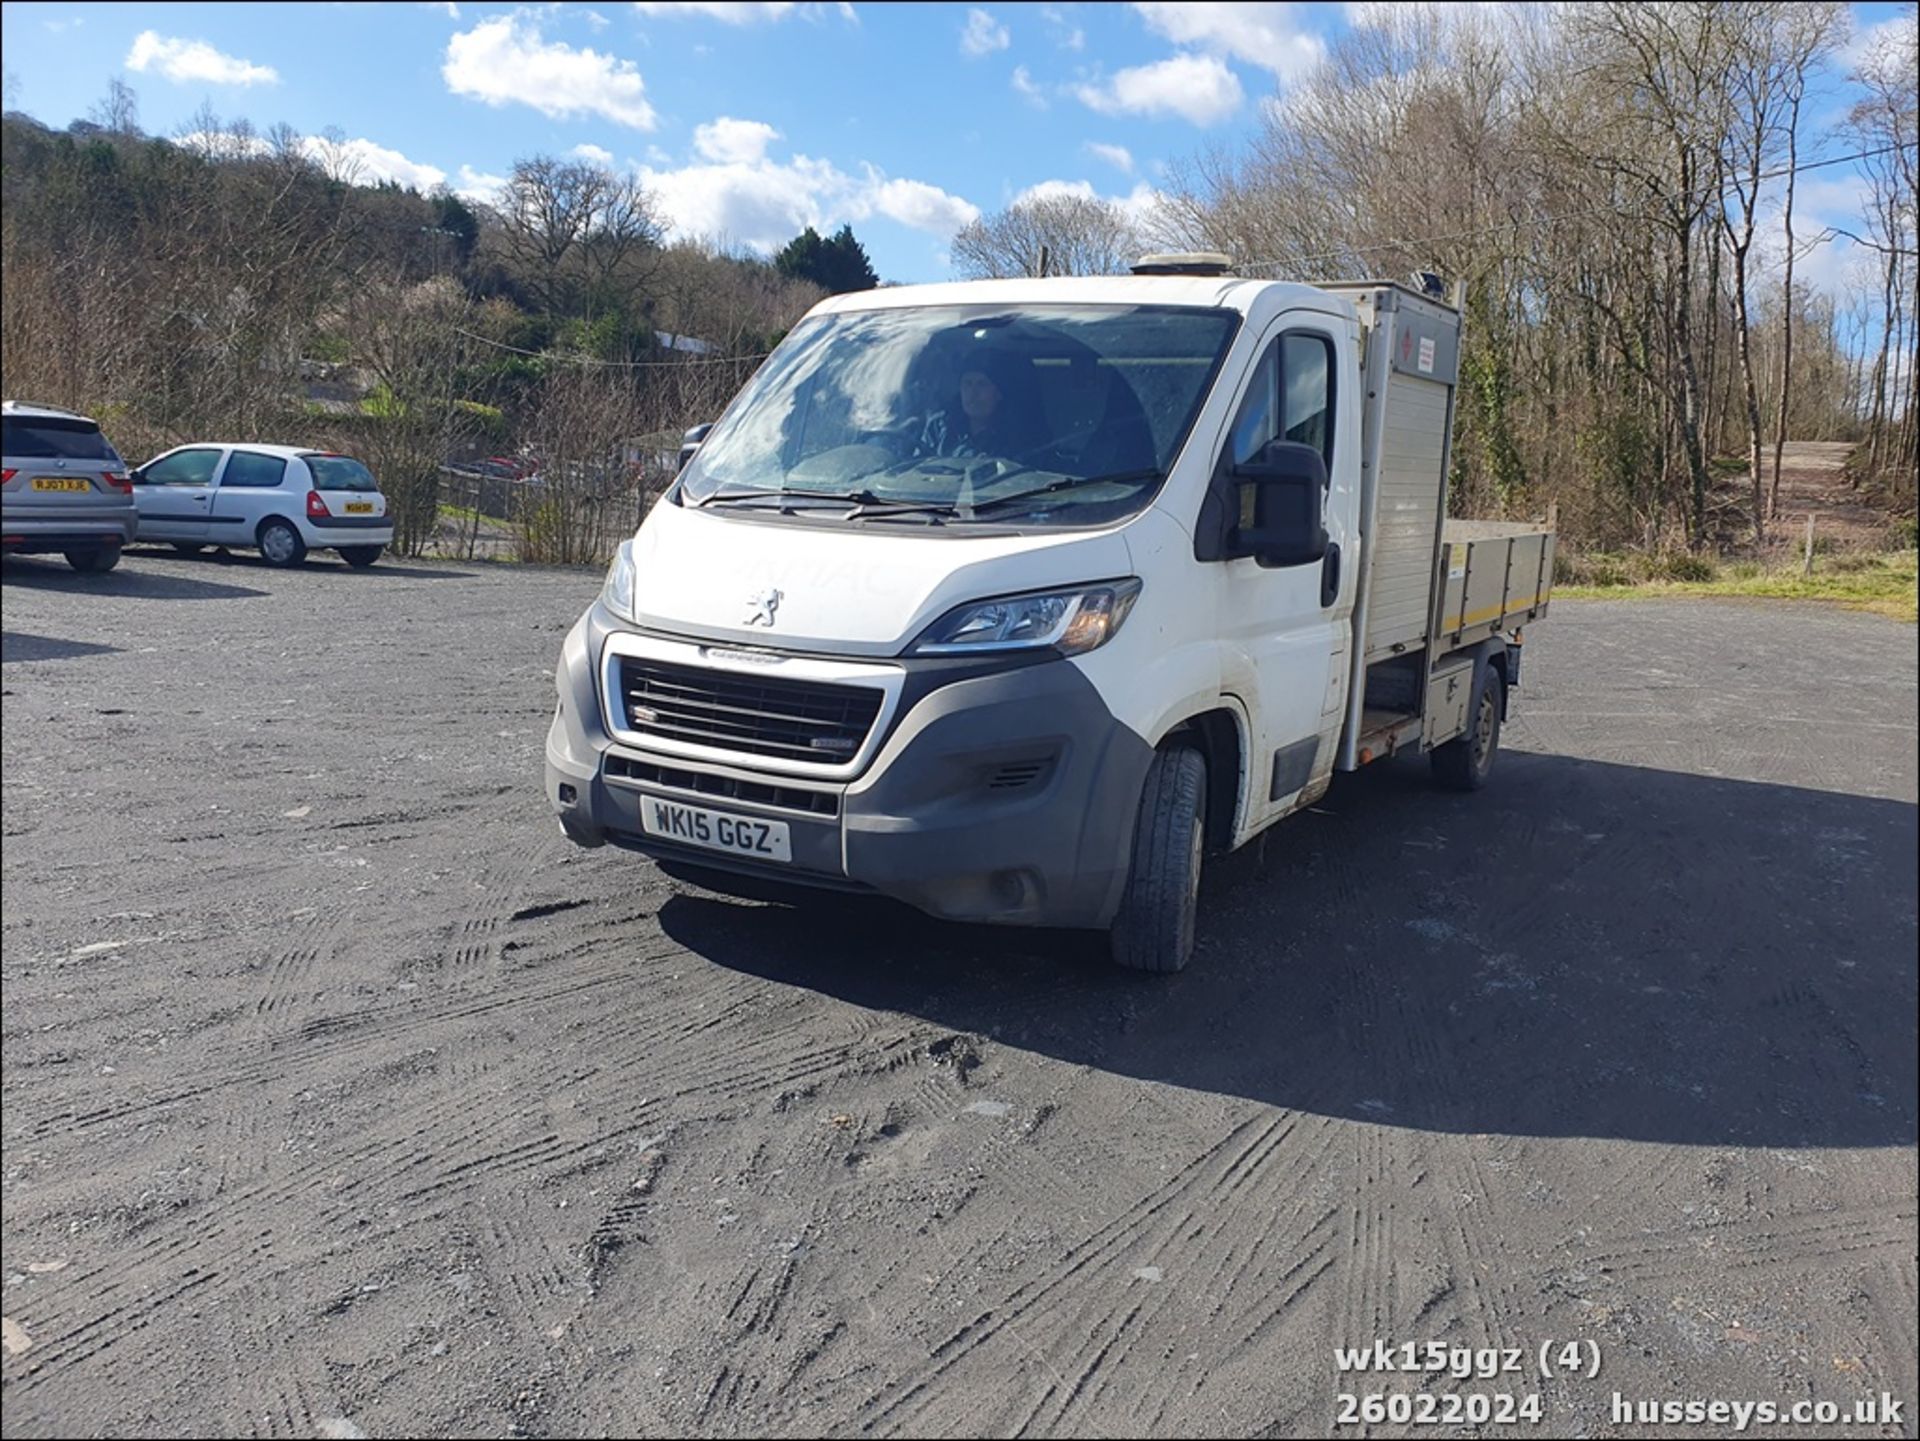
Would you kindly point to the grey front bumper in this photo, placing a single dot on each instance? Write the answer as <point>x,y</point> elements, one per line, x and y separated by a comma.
<point>1008,796</point>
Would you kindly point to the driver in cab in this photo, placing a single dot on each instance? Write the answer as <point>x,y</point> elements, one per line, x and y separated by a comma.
<point>990,417</point>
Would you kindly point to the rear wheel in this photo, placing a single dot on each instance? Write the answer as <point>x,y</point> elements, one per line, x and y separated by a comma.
<point>280,543</point>
<point>1154,928</point>
<point>1465,763</point>
<point>360,556</point>
<point>94,560</point>
<point>189,547</point>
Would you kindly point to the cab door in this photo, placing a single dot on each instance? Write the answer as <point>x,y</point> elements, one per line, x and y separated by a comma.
<point>1285,629</point>
<point>174,494</point>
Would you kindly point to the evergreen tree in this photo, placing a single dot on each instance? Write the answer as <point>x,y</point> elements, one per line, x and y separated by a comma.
<point>836,265</point>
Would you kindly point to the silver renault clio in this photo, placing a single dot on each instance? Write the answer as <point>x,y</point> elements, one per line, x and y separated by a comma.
<point>66,488</point>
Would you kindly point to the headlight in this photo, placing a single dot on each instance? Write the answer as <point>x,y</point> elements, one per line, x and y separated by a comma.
<point>1071,621</point>
<point>617,593</point>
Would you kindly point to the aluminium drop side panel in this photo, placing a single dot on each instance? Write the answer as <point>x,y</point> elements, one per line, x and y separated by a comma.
<point>1498,576</point>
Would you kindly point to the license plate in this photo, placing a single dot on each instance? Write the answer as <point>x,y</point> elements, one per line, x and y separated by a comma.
<point>61,482</point>
<point>715,830</point>
<point>359,507</point>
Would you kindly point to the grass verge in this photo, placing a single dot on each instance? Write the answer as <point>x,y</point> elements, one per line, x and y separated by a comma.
<point>1884,584</point>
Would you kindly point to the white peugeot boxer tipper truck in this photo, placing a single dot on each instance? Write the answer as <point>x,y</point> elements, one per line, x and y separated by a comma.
<point>1014,599</point>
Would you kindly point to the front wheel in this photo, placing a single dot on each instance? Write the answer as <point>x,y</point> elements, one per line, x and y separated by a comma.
<point>1463,764</point>
<point>280,543</point>
<point>95,560</point>
<point>1154,928</point>
<point>360,556</point>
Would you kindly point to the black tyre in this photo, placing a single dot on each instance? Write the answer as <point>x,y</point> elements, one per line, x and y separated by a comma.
<point>1463,764</point>
<point>280,543</point>
<point>189,547</point>
<point>1154,928</point>
<point>360,556</point>
<point>95,559</point>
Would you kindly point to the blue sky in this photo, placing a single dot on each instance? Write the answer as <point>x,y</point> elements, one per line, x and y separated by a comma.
<point>751,120</point>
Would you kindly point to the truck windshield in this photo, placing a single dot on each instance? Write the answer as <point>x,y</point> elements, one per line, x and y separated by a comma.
<point>966,415</point>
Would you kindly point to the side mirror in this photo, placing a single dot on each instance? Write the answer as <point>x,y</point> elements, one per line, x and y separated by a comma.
<point>137,475</point>
<point>690,442</point>
<point>1282,505</point>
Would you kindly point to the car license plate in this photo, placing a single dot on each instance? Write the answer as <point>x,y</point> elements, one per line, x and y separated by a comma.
<point>715,830</point>
<point>61,482</point>
<point>359,507</point>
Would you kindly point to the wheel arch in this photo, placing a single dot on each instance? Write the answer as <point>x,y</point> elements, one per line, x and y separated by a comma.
<point>1219,734</point>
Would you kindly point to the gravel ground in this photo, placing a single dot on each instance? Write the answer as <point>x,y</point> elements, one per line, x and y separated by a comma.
<point>342,1096</point>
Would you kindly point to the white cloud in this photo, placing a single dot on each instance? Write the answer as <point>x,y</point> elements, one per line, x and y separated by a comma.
<point>1024,85</point>
<point>1138,205</point>
<point>916,204</point>
<point>1263,34</point>
<point>598,154</point>
<point>358,161</point>
<point>1069,36</point>
<point>1888,45</point>
<point>187,61</point>
<point>478,186</point>
<point>225,145</point>
<point>57,26</point>
<point>363,162</point>
<point>446,7</point>
<point>983,34</point>
<point>725,11</point>
<point>1057,190</point>
<point>762,205</point>
<point>1198,88</point>
<point>1117,156</point>
<point>594,18</point>
<point>737,194</point>
<point>727,141</point>
<point>503,60</point>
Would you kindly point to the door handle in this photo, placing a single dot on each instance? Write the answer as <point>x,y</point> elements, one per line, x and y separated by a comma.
<point>1330,576</point>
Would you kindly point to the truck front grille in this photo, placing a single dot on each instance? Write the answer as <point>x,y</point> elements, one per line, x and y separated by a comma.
<point>751,715</point>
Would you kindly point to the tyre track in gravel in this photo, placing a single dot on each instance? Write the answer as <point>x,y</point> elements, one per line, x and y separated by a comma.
<point>1197,1206</point>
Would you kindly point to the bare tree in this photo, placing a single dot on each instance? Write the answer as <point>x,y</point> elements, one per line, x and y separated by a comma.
<point>413,340</point>
<point>1670,66</point>
<point>620,247</point>
<point>1811,30</point>
<point>1069,234</point>
<point>1887,122</point>
<point>548,209</point>
<point>1758,78</point>
<point>118,112</point>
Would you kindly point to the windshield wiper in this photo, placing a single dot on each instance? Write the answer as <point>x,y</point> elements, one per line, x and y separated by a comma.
<point>784,496</point>
<point>865,505</point>
<point>726,495</point>
<point>1071,482</point>
<point>868,506</point>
